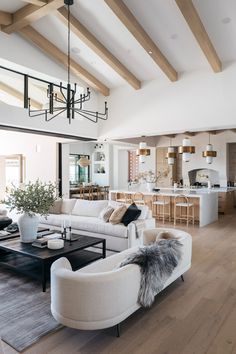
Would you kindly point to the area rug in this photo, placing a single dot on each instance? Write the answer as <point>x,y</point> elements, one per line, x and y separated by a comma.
<point>25,314</point>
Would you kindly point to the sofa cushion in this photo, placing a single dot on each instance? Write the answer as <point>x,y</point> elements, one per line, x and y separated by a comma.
<point>85,223</point>
<point>106,213</point>
<point>67,206</point>
<point>56,207</point>
<point>89,207</point>
<point>131,214</point>
<point>117,215</point>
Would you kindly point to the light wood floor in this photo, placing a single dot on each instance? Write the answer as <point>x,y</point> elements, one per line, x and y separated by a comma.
<point>194,317</point>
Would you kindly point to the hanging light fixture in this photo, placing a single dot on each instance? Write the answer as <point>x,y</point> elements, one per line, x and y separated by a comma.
<point>209,153</point>
<point>84,161</point>
<point>171,154</point>
<point>68,102</point>
<point>186,149</point>
<point>142,151</point>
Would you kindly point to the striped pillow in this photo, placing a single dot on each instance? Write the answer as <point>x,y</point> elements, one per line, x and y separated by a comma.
<point>106,213</point>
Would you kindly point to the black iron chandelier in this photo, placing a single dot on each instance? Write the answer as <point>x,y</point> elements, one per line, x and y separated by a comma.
<point>67,102</point>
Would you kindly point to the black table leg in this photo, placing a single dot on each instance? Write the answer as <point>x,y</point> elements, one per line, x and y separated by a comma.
<point>44,278</point>
<point>104,248</point>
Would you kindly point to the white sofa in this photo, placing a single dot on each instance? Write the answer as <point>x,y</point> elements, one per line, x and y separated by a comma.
<point>84,217</point>
<point>102,295</point>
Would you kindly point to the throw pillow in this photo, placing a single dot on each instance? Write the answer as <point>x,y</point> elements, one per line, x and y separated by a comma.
<point>106,213</point>
<point>131,214</point>
<point>117,215</point>
<point>56,207</point>
<point>67,206</point>
<point>165,235</point>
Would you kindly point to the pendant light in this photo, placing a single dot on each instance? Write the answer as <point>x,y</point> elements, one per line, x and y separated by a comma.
<point>209,153</point>
<point>186,149</point>
<point>171,154</point>
<point>84,162</point>
<point>67,101</point>
<point>143,151</point>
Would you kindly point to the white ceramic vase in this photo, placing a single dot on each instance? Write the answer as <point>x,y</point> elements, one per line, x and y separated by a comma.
<point>28,227</point>
<point>151,186</point>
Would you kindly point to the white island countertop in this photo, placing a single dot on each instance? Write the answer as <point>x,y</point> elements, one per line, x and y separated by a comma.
<point>208,200</point>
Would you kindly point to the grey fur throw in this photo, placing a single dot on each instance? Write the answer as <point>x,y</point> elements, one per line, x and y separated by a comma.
<point>156,263</point>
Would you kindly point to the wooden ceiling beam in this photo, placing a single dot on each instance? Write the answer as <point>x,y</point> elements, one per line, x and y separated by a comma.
<point>195,24</point>
<point>30,13</point>
<point>92,42</point>
<point>131,23</point>
<point>56,54</point>
<point>5,18</point>
<point>36,2</point>
<point>18,95</point>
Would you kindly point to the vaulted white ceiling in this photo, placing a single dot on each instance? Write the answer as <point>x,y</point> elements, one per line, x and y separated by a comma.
<point>161,19</point>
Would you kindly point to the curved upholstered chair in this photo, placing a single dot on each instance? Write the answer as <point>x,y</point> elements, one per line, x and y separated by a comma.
<point>102,295</point>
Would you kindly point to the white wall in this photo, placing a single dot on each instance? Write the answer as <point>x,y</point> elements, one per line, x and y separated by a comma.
<point>38,165</point>
<point>220,163</point>
<point>26,56</point>
<point>199,100</point>
<point>18,117</point>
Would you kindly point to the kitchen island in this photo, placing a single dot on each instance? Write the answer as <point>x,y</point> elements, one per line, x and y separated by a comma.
<point>205,201</point>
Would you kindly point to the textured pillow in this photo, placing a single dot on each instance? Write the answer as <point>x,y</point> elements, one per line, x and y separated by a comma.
<point>131,214</point>
<point>106,213</point>
<point>165,235</point>
<point>56,207</point>
<point>67,206</point>
<point>117,215</point>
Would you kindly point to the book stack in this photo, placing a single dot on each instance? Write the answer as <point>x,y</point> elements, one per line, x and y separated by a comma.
<point>40,243</point>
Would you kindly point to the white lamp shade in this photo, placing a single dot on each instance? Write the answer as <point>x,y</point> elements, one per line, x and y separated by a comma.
<point>142,159</point>
<point>209,159</point>
<point>209,147</point>
<point>142,145</point>
<point>170,160</point>
<point>186,142</point>
<point>186,156</point>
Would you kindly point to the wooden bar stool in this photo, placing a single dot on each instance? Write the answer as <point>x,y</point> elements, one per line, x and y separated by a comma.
<point>123,198</point>
<point>161,207</point>
<point>181,202</point>
<point>138,198</point>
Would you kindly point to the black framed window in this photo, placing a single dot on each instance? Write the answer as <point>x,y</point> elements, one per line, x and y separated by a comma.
<point>78,174</point>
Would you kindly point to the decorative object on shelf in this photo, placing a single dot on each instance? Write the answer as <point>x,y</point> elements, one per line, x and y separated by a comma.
<point>143,151</point>
<point>98,146</point>
<point>186,149</point>
<point>31,199</point>
<point>171,154</point>
<point>209,153</point>
<point>67,102</point>
<point>55,244</point>
<point>84,162</point>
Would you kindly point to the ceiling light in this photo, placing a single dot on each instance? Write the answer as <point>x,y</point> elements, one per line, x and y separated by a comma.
<point>174,36</point>
<point>186,149</point>
<point>75,50</point>
<point>68,103</point>
<point>209,153</point>
<point>171,154</point>
<point>150,51</point>
<point>84,162</point>
<point>143,151</point>
<point>226,20</point>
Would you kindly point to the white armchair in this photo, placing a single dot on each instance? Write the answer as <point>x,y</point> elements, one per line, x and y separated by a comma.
<point>102,295</point>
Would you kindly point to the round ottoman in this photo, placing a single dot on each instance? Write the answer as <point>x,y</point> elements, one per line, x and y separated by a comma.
<point>4,222</point>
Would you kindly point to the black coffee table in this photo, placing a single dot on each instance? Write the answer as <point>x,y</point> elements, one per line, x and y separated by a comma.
<point>36,262</point>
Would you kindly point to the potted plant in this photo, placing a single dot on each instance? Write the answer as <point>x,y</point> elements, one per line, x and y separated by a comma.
<point>30,200</point>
